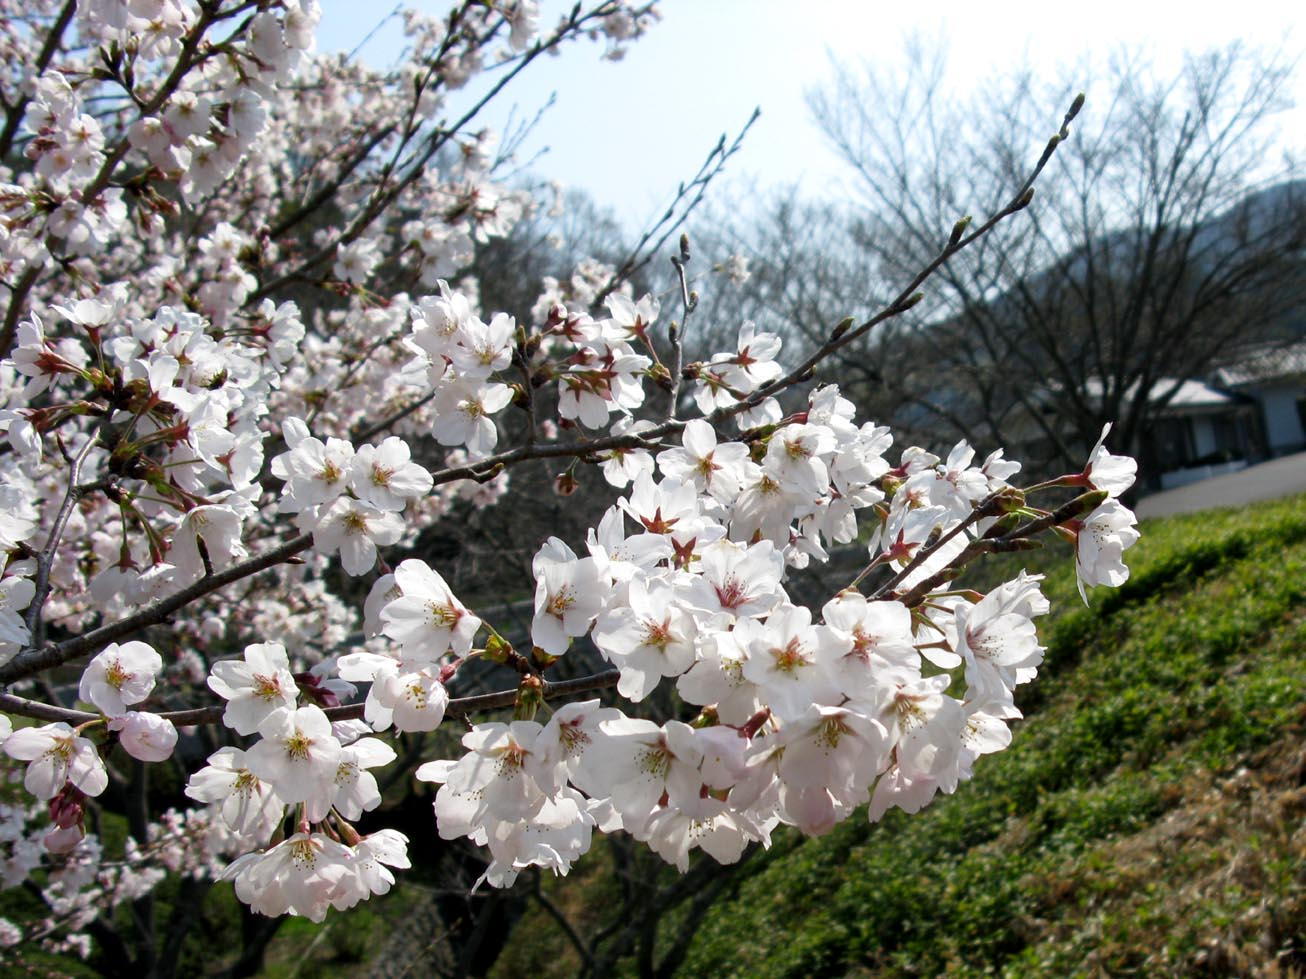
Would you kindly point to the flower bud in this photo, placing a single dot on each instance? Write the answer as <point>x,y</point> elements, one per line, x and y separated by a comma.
<point>530,694</point>
<point>311,687</point>
<point>707,717</point>
<point>844,326</point>
<point>497,649</point>
<point>1003,525</point>
<point>1080,505</point>
<point>542,660</point>
<point>63,839</point>
<point>958,230</point>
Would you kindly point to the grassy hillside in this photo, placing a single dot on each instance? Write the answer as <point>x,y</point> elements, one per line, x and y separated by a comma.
<point>1147,820</point>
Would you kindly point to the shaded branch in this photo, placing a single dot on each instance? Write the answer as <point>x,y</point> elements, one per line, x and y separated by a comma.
<point>30,661</point>
<point>457,707</point>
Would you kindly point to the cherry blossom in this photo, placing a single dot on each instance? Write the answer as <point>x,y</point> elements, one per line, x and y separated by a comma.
<point>299,876</point>
<point>356,789</point>
<point>251,366</point>
<point>648,638</point>
<point>145,736</point>
<point>57,755</point>
<point>426,618</point>
<point>355,529</point>
<point>1100,543</point>
<point>119,676</point>
<point>299,757</point>
<point>384,477</point>
<point>256,688</point>
<point>1105,471</point>
<point>719,469</point>
<point>567,596</point>
<point>248,805</point>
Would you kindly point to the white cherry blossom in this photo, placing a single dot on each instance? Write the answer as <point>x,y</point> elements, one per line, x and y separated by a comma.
<point>145,736</point>
<point>1105,471</point>
<point>120,675</point>
<point>299,756</point>
<point>356,788</point>
<point>248,805</point>
<point>385,477</point>
<point>648,638</point>
<point>426,619</point>
<point>55,756</point>
<point>1100,543</point>
<point>298,876</point>
<point>254,688</point>
<point>355,529</point>
<point>567,596</point>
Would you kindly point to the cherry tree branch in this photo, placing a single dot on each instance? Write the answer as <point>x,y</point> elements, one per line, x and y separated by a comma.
<point>186,60</point>
<point>841,337</point>
<point>45,560</point>
<point>29,661</point>
<point>454,711</point>
<point>923,554</point>
<point>1018,539</point>
<point>14,117</point>
<point>17,295</point>
<point>688,302</point>
<point>633,263</point>
<point>328,190</point>
<point>909,297</point>
<point>381,201</point>
<point>188,57</point>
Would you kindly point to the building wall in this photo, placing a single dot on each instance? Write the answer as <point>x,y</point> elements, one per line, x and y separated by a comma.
<point>1283,424</point>
<point>1203,437</point>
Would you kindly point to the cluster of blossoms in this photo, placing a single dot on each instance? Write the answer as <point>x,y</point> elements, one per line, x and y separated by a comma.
<point>802,721</point>
<point>176,422</point>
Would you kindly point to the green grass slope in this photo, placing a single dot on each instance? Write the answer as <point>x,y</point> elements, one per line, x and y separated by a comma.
<point>1147,820</point>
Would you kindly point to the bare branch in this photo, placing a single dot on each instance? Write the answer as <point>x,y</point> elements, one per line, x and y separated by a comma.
<point>30,661</point>
<point>45,560</point>
<point>456,709</point>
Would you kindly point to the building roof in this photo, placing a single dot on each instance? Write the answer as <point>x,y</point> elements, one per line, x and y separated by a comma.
<point>1265,363</point>
<point>1192,395</point>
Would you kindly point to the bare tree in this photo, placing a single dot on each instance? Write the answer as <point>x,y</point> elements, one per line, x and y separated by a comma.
<point>1168,240</point>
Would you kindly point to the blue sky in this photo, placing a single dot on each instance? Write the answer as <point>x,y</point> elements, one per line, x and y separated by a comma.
<point>628,132</point>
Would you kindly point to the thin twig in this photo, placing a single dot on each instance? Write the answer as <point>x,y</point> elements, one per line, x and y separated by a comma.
<point>454,710</point>
<point>556,914</point>
<point>669,223</point>
<point>329,189</point>
<point>909,297</point>
<point>30,661</point>
<point>688,303</point>
<point>923,554</point>
<point>1018,539</point>
<point>45,560</point>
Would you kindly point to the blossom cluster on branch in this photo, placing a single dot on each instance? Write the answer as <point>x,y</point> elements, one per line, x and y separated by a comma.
<point>235,346</point>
